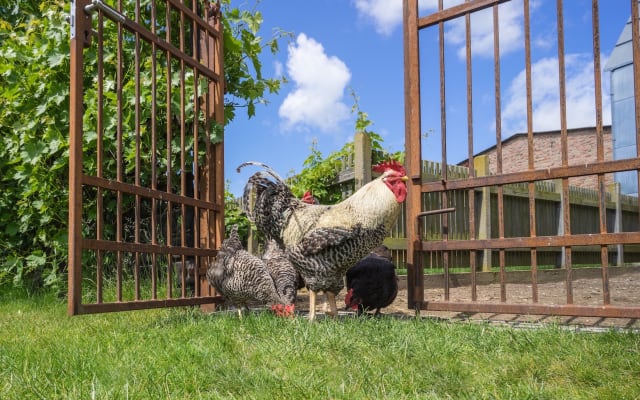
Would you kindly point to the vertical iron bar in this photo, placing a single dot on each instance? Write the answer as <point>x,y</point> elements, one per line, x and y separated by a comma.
<point>154,186</point>
<point>206,219</point>
<point>138,171</point>
<point>496,78</point>
<point>99,155</point>
<point>443,129</point>
<point>219,116</point>
<point>472,261</point>
<point>196,148</point>
<point>602,205</point>
<point>566,220</point>
<point>183,177</point>
<point>530,152</point>
<point>119,161</point>
<point>82,29</point>
<point>169,136</point>
<point>415,281</point>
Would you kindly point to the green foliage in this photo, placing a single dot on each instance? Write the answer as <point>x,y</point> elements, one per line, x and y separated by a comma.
<point>245,84</point>
<point>233,215</point>
<point>319,174</point>
<point>34,121</point>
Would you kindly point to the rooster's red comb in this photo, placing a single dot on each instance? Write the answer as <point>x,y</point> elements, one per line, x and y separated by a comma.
<point>391,164</point>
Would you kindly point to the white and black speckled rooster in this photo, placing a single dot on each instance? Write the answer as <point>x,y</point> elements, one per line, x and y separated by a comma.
<point>242,277</point>
<point>322,241</point>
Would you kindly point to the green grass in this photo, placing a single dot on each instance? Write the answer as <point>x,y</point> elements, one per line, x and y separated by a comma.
<point>185,354</point>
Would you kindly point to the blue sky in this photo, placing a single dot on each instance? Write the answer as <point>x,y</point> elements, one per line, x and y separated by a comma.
<point>344,45</point>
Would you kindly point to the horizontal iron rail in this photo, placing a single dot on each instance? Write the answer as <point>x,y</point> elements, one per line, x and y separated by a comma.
<point>602,239</point>
<point>132,247</point>
<point>456,11</point>
<point>149,193</point>
<point>536,175</point>
<point>146,304</point>
<point>534,309</point>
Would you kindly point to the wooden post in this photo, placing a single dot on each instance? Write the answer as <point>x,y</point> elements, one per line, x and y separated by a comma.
<point>614,189</point>
<point>362,159</point>
<point>562,259</point>
<point>481,165</point>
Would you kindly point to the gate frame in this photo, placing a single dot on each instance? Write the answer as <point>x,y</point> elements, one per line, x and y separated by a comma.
<point>210,182</point>
<point>412,24</point>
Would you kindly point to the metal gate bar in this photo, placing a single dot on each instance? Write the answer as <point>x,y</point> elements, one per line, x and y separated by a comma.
<point>159,209</point>
<point>419,248</point>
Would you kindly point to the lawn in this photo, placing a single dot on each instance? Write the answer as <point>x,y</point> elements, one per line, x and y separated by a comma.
<point>186,354</point>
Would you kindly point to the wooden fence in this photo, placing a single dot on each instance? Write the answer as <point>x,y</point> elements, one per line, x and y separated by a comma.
<point>622,216</point>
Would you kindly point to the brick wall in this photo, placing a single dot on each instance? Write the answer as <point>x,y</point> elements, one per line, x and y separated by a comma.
<point>547,153</point>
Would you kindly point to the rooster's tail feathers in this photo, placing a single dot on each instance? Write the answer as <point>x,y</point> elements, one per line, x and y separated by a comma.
<point>257,184</point>
<point>260,186</point>
<point>267,168</point>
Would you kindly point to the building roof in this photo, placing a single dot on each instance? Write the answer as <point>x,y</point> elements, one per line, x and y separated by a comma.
<point>622,53</point>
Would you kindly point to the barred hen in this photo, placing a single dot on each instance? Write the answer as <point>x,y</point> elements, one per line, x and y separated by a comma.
<point>372,283</point>
<point>240,276</point>
<point>285,277</point>
<point>323,241</point>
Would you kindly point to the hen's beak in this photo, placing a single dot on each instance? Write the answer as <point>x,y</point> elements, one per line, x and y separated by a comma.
<point>404,178</point>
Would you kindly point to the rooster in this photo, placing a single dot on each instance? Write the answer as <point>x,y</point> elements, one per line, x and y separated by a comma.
<point>372,283</point>
<point>243,278</point>
<point>323,241</point>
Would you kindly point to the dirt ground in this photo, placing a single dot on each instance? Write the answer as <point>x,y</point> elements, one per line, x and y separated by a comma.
<point>624,289</point>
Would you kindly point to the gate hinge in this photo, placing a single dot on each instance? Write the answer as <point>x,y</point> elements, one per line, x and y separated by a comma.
<point>106,9</point>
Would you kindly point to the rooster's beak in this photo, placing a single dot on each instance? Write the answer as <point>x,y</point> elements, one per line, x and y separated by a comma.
<point>404,178</point>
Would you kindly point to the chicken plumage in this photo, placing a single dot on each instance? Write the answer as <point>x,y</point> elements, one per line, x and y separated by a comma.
<point>240,276</point>
<point>372,283</point>
<point>286,278</point>
<point>323,241</point>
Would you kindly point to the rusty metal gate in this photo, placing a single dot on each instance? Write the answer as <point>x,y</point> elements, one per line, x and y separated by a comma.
<point>146,179</point>
<point>455,24</point>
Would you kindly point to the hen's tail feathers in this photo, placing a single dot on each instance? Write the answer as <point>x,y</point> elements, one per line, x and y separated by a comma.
<point>232,242</point>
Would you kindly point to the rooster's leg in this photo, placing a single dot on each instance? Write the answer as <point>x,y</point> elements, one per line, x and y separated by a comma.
<point>333,308</point>
<point>312,305</point>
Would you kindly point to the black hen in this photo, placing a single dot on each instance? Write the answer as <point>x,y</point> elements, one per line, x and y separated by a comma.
<point>372,283</point>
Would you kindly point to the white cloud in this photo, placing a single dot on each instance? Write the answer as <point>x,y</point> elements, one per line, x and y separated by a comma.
<point>386,15</point>
<point>510,17</point>
<point>278,68</point>
<point>319,83</point>
<point>580,95</point>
